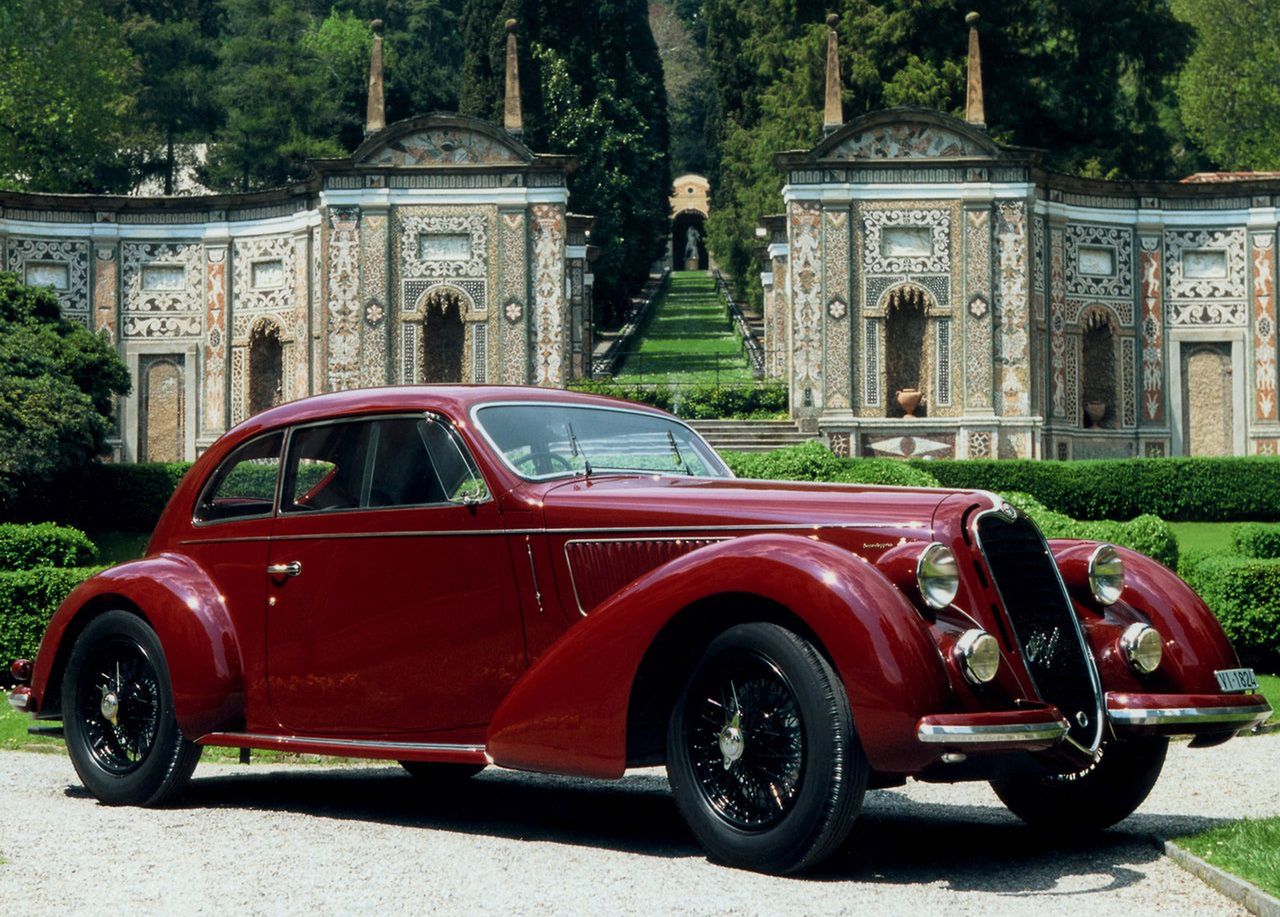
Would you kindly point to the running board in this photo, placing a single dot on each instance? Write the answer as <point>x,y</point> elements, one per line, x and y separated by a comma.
<point>351,748</point>
<point>49,732</point>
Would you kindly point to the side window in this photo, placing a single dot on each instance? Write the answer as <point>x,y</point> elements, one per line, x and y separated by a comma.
<point>419,462</point>
<point>245,483</point>
<point>325,469</point>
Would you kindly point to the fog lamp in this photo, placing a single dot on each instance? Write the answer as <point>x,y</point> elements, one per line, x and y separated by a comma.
<point>937,576</point>
<point>1142,647</point>
<point>979,656</point>
<point>1106,574</point>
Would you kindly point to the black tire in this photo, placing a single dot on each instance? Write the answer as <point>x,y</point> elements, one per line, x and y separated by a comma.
<point>141,758</point>
<point>781,792</point>
<point>441,773</point>
<point>1090,800</point>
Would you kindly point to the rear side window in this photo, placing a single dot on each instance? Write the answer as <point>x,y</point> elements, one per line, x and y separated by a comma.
<point>326,467</point>
<point>245,483</point>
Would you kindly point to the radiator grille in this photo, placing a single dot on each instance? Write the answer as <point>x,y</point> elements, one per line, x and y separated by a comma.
<point>1043,621</point>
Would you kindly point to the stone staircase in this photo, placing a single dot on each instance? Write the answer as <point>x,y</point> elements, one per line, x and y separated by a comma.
<point>750,435</point>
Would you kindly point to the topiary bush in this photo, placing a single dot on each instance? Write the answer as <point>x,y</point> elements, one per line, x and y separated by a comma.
<point>1146,534</point>
<point>1244,595</point>
<point>44,545</point>
<point>1256,540</point>
<point>28,599</point>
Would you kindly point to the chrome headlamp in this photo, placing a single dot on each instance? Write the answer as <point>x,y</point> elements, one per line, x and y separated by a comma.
<point>979,655</point>
<point>1142,647</point>
<point>937,576</point>
<point>1106,575</point>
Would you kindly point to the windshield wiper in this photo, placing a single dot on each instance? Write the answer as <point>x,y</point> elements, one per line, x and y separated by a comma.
<point>576,452</point>
<point>675,450</point>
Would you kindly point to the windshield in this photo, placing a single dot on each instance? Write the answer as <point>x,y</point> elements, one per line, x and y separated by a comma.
<point>543,441</point>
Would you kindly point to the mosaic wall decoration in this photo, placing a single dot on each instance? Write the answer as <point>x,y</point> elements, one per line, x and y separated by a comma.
<point>880,257</point>
<point>106,290</point>
<point>1206,277</point>
<point>906,141</point>
<point>979,444</point>
<point>836,255</point>
<point>445,146</point>
<point>61,265</point>
<point>839,445</point>
<point>1153,449</point>
<point>805,233</point>
<point>342,309</point>
<point>1128,386</point>
<point>1110,249</point>
<point>977,318</point>
<point>1013,308</point>
<point>1038,261</point>
<point>373,299</point>
<point>871,362</point>
<point>942,349</point>
<point>416,258</point>
<point>1057,325</point>
<point>933,444</point>
<point>1266,447</point>
<point>776,334</point>
<point>514,334</point>
<point>550,328</point>
<point>163,283</point>
<point>1152,329</point>
<point>1264,325</point>
<point>276,295</point>
<point>215,341</point>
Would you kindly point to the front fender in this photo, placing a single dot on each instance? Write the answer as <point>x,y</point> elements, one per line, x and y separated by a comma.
<point>189,616</point>
<point>568,714</point>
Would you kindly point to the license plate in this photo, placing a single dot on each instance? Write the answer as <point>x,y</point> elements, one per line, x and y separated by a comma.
<point>1236,680</point>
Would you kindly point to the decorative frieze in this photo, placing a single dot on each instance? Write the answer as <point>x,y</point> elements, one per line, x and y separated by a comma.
<point>106,290</point>
<point>550,327</point>
<point>1062,401</point>
<point>1099,261</point>
<point>514,330</point>
<point>1152,330</point>
<point>1206,277</point>
<point>215,341</point>
<point>836,259</point>
<point>60,264</point>
<point>1264,325</point>
<point>1012,307</point>
<point>805,232</point>
<point>373,297</point>
<point>977,320</point>
<point>342,308</point>
<point>163,282</point>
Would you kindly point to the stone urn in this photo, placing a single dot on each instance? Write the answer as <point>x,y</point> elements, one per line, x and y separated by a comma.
<point>1095,411</point>
<point>908,400</point>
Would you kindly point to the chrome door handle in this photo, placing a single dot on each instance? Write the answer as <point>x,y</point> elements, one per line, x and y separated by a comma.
<point>293,568</point>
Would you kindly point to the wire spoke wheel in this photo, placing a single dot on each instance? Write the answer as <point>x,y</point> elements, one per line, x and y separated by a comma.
<point>746,741</point>
<point>119,705</point>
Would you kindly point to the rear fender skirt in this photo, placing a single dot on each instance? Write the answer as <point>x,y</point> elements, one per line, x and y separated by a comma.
<point>184,608</point>
<point>1194,642</point>
<point>568,714</point>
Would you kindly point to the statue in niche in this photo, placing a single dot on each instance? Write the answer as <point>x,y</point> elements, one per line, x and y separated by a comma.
<point>692,238</point>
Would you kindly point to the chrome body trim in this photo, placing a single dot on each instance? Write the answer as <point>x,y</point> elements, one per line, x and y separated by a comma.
<point>533,570</point>
<point>1003,733</point>
<point>1179,716</point>
<point>353,743</point>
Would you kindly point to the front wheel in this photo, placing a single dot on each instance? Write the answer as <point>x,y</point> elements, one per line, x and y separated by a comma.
<point>1107,791</point>
<point>117,715</point>
<point>762,756</point>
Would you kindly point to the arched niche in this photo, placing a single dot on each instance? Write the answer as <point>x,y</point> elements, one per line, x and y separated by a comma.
<point>688,238</point>
<point>1100,368</point>
<point>163,420</point>
<point>444,327</point>
<point>908,354</point>
<point>266,366</point>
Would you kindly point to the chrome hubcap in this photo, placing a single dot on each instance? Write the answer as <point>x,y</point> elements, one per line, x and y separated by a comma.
<point>732,744</point>
<point>110,707</point>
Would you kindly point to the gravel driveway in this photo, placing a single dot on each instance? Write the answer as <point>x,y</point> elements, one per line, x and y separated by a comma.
<point>305,839</point>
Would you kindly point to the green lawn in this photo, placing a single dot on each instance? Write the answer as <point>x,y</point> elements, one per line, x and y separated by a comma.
<point>1269,685</point>
<point>1204,537</point>
<point>689,338</point>
<point>1249,848</point>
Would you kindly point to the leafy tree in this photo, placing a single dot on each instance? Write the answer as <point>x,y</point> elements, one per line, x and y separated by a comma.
<point>58,383</point>
<point>1228,93</point>
<point>687,82</point>
<point>279,113</point>
<point>66,97</point>
<point>341,43</point>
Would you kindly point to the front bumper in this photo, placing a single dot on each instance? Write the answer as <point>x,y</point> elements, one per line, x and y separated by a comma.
<point>1009,730</point>
<point>1184,714</point>
<point>20,698</point>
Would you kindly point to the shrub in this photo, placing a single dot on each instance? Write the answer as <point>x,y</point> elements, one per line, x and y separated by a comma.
<point>116,497</point>
<point>699,402</point>
<point>1256,540</point>
<point>813,461</point>
<point>1188,489</point>
<point>28,599</point>
<point>44,545</point>
<point>1146,534</point>
<point>1244,594</point>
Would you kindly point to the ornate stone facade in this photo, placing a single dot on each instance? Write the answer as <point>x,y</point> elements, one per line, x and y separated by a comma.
<point>1040,292</point>
<point>321,286</point>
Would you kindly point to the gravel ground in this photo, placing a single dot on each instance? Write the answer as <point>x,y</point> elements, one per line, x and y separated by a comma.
<point>305,839</point>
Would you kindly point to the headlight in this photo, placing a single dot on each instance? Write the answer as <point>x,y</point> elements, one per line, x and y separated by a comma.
<point>979,656</point>
<point>1142,647</point>
<point>1106,575</point>
<point>937,576</point>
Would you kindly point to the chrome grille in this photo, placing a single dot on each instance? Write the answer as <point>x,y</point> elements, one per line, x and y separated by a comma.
<point>1038,610</point>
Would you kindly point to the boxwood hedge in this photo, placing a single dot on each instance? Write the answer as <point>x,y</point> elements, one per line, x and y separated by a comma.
<point>1145,534</point>
<point>106,497</point>
<point>28,599</point>
<point>813,461</point>
<point>700,402</point>
<point>44,545</point>
<point>1254,539</point>
<point>1244,594</point>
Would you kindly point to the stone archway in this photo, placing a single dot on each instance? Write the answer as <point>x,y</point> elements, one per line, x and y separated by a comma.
<point>443,335</point>
<point>266,366</point>
<point>688,237</point>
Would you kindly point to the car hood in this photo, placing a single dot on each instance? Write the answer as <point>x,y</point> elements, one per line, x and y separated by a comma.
<point>673,503</point>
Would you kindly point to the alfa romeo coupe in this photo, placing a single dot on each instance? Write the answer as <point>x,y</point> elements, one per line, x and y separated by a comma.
<point>459,577</point>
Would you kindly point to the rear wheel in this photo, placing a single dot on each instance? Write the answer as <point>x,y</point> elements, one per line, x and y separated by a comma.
<point>1107,791</point>
<point>762,756</point>
<point>118,715</point>
<point>441,773</point>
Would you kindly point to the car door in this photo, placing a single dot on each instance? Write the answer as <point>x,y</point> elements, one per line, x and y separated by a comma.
<point>391,604</point>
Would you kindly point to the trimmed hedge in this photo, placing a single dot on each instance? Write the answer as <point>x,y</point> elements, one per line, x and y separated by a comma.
<point>1146,534</point>
<point>699,402</point>
<point>44,545</point>
<point>106,497</point>
<point>813,461</point>
<point>1256,540</point>
<point>1244,595</point>
<point>28,599</point>
<point>1181,489</point>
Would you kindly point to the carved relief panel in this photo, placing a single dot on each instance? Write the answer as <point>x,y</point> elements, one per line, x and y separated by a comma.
<point>162,289</point>
<point>61,265</point>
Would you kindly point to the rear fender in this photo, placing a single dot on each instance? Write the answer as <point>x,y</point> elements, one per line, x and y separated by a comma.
<point>190,617</point>
<point>568,714</point>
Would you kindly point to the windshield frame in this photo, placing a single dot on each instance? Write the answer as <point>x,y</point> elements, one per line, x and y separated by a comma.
<point>475,410</point>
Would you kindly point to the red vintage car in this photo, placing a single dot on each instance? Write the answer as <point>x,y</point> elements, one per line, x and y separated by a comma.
<point>456,577</point>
